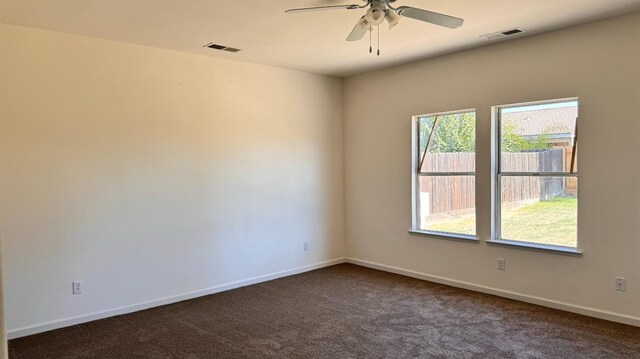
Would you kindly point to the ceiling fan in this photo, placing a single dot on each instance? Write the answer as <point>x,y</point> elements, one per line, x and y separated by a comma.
<point>381,10</point>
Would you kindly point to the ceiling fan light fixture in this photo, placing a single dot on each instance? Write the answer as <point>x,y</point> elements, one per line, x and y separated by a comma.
<point>392,18</point>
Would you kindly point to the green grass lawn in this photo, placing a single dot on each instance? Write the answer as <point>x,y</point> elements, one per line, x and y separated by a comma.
<point>548,222</point>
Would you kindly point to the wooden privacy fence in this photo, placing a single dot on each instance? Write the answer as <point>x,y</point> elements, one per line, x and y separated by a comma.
<point>457,193</point>
<point>542,161</point>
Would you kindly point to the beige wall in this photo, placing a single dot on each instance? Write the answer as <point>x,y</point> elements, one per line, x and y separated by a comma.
<point>148,173</point>
<point>3,341</point>
<point>597,62</point>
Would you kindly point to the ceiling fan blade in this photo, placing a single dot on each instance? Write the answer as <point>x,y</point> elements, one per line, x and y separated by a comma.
<point>430,17</point>
<point>319,8</point>
<point>358,31</point>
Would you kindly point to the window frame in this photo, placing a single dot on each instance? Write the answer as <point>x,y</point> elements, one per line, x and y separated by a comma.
<point>497,175</point>
<point>416,174</point>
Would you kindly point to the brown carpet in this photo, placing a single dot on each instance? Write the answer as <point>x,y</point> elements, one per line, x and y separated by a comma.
<point>343,311</point>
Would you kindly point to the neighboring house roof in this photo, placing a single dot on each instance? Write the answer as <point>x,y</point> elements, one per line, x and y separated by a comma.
<point>552,121</point>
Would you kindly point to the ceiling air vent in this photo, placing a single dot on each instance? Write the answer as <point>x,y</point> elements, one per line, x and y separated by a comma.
<point>505,33</point>
<point>221,47</point>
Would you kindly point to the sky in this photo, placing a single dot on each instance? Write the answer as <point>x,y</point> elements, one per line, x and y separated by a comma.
<point>540,107</point>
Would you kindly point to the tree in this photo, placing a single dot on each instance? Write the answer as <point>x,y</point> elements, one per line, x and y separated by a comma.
<point>453,133</point>
<point>512,142</point>
<point>456,133</point>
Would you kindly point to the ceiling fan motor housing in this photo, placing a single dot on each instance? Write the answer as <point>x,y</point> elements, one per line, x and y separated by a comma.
<point>375,14</point>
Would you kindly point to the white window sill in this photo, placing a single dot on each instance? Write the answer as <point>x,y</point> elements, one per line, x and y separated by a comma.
<point>536,246</point>
<point>444,235</point>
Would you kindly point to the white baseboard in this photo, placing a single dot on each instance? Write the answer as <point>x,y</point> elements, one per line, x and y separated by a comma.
<point>65,322</point>
<point>579,309</point>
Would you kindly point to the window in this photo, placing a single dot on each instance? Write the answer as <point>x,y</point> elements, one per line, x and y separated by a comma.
<point>444,167</point>
<point>536,174</point>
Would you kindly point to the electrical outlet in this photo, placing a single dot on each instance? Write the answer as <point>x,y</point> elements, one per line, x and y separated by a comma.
<point>620,284</point>
<point>306,246</point>
<point>501,264</point>
<point>77,287</point>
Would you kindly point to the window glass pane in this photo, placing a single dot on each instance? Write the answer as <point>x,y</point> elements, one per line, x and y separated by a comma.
<point>452,145</point>
<point>538,138</point>
<point>540,210</point>
<point>447,204</point>
<point>425,125</point>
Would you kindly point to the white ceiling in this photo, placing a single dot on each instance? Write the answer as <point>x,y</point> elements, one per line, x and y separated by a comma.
<point>314,41</point>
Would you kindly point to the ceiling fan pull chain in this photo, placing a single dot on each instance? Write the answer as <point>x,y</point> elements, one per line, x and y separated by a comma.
<point>370,31</point>
<point>378,40</point>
